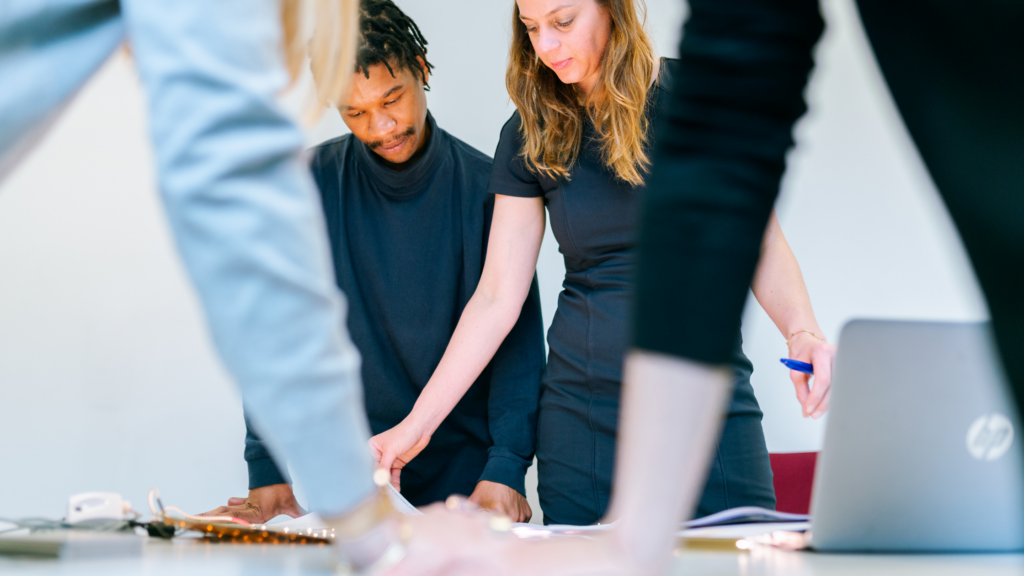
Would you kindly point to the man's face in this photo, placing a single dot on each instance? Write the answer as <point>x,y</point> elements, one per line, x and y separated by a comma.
<point>387,113</point>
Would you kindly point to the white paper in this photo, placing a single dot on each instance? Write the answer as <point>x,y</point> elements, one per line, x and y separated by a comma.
<point>536,532</point>
<point>300,524</point>
<point>313,521</point>
<point>735,523</point>
<point>400,503</point>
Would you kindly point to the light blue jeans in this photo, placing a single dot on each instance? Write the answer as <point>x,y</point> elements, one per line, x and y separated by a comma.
<point>241,204</point>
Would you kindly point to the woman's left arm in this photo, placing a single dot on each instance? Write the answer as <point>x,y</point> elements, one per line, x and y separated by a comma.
<point>779,288</point>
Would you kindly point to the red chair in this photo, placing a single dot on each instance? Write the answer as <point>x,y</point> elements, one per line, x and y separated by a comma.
<point>794,477</point>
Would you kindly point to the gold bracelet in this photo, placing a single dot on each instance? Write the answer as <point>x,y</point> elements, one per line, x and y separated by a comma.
<point>793,335</point>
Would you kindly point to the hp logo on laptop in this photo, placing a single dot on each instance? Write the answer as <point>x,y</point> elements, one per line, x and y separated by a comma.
<point>989,437</point>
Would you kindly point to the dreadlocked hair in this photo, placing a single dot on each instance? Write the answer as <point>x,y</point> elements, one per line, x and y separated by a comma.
<point>388,36</point>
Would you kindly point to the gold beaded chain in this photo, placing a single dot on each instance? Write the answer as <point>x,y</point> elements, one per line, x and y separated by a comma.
<point>793,335</point>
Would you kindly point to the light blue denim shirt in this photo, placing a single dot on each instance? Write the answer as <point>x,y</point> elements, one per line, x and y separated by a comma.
<point>241,204</point>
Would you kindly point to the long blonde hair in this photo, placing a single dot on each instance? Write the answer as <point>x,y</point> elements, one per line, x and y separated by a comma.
<point>331,50</point>
<point>553,113</point>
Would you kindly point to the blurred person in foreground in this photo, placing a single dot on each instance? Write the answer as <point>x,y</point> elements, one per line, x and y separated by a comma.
<point>956,73</point>
<point>408,215</point>
<point>241,205</point>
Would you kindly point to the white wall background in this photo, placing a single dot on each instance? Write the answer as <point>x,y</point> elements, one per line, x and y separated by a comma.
<point>107,379</point>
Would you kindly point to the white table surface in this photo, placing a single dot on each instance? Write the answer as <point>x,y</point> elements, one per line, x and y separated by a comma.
<point>196,558</point>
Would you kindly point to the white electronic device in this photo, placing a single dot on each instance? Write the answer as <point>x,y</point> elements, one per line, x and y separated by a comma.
<point>96,506</point>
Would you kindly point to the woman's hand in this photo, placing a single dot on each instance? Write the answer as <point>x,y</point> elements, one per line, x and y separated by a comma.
<point>806,347</point>
<point>395,448</point>
<point>779,288</point>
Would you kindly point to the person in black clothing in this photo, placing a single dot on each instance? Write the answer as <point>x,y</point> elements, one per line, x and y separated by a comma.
<point>408,217</point>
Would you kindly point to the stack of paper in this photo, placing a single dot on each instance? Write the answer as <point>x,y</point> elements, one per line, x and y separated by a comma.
<point>745,515</point>
<point>733,523</point>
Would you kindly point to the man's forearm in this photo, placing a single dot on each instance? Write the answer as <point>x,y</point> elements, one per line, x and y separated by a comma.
<point>506,468</point>
<point>263,469</point>
<point>514,400</point>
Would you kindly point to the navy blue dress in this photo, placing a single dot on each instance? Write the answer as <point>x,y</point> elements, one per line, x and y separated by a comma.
<point>593,216</point>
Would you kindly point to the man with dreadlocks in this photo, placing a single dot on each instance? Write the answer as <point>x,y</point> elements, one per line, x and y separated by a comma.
<point>408,216</point>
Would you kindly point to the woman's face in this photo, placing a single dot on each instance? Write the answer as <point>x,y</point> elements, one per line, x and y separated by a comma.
<point>569,36</point>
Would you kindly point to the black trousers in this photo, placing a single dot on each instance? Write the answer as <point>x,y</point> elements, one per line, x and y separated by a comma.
<point>956,72</point>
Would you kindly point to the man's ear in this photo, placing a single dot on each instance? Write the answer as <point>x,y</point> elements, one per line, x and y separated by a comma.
<point>426,71</point>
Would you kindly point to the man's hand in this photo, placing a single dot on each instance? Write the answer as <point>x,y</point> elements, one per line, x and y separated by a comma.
<point>262,505</point>
<point>501,499</point>
<point>395,448</point>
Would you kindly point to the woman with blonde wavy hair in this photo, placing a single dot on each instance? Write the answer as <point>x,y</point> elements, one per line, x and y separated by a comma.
<point>587,90</point>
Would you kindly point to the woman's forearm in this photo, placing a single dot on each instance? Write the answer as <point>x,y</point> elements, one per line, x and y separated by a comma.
<point>779,285</point>
<point>484,324</point>
<point>512,249</point>
<point>779,288</point>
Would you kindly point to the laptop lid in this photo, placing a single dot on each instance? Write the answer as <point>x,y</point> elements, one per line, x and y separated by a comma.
<point>922,449</point>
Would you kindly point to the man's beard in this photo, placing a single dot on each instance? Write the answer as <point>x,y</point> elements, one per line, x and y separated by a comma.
<point>411,131</point>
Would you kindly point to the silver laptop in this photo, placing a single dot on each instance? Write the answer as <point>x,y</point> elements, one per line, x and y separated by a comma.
<point>923,444</point>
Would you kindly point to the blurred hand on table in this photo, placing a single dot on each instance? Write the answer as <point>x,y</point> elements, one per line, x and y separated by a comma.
<point>262,505</point>
<point>447,543</point>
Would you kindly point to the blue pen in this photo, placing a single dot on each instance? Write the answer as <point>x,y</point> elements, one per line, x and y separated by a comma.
<point>797,365</point>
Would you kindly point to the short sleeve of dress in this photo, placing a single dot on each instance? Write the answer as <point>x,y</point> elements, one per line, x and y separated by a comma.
<point>509,174</point>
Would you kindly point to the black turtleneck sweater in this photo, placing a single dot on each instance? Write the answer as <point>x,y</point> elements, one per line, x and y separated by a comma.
<point>408,251</point>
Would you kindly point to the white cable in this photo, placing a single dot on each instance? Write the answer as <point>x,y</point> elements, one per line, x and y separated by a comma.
<point>155,494</point>
<point>152,506</point>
